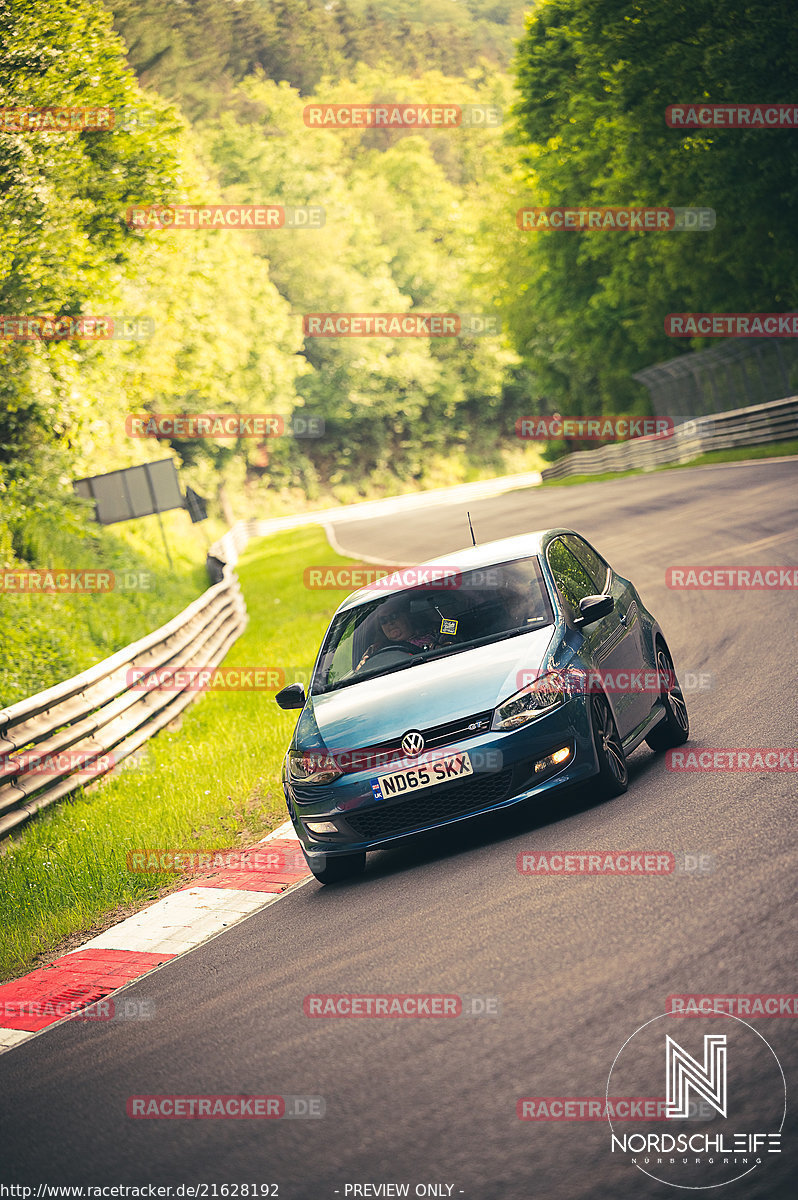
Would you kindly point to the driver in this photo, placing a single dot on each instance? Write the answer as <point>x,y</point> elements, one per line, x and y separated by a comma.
<point>394,620</point>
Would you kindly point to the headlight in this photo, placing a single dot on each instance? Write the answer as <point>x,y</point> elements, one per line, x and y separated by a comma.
<point>312,766</point>
<point>533,701</point>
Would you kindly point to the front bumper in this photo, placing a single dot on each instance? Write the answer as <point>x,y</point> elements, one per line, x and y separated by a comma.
<point>504,775</point>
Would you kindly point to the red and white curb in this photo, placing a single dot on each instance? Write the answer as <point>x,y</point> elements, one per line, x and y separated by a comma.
<point>171,926</point>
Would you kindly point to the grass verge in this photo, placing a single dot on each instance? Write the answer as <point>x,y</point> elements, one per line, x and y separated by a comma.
<point>737,454</point>
<point>50,637</point>
<point>212,784</point>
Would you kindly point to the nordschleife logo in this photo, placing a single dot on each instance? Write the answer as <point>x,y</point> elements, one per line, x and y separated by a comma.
<point>684,1074</point>
<point>719,1062</point>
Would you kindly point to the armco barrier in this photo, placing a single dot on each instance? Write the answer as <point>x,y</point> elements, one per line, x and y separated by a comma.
<point>97,714</point>
<point>773,422</point>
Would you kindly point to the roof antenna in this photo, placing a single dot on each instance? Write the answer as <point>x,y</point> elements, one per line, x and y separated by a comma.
<point>471,527</point>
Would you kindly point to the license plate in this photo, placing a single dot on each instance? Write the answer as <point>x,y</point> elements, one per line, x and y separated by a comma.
<point>403,783</point>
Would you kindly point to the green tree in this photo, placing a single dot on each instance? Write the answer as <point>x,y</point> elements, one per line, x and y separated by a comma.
<point>595,78</point>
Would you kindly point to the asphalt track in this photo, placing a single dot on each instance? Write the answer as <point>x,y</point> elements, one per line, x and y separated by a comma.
<point>576,964</point>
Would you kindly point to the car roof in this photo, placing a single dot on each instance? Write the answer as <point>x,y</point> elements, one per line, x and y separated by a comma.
<point>488,554</point>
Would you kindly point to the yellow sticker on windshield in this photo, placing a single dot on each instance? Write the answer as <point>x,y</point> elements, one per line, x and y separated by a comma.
<point>448,625</point>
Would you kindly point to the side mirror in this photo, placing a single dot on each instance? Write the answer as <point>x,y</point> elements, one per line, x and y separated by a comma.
<point>292,696</point>
<point>593,608</point>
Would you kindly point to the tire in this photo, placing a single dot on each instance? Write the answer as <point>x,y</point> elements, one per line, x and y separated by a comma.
<point>613,774</point>
<point>337,868</point>
<point>675,729</point>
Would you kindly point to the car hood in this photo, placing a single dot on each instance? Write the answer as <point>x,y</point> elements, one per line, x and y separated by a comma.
<point>421,697</point>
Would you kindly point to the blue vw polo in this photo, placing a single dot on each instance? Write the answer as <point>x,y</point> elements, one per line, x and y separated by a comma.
<point>471,683</point>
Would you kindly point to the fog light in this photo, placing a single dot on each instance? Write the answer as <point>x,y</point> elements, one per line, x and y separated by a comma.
<point>321,826</point>
<point>552,760</point>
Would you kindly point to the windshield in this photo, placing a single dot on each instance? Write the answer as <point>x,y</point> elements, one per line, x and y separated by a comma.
<point>401,629</point>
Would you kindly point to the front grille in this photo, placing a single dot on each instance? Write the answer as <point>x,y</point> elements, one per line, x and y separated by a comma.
<point>454,731</point>
<point>439,735</point>
<point>438,804</point>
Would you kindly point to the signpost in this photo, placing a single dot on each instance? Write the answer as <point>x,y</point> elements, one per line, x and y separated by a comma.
<point>150,488</point>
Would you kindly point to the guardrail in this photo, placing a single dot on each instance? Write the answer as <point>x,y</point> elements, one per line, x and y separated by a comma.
<point>773,422</point>
<point>98,717</point>
<point>97,714</point>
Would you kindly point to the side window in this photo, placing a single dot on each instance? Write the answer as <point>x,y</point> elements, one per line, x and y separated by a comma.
<point>593,563</point>
<point>572,580</point>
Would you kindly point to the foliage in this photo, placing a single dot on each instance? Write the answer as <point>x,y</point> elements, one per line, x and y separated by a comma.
<point>196,54</point>
<point>595,78</point>
<point>403,217</point>
<point>47,638</point>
